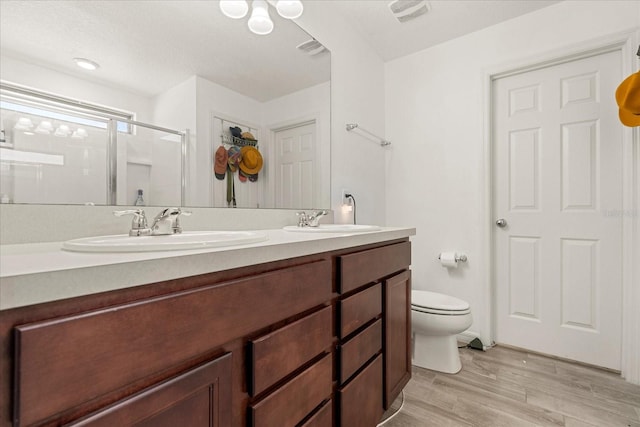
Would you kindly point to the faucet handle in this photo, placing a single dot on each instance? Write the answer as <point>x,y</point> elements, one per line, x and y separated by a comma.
<point>302,219</point>
<point>139,225</point>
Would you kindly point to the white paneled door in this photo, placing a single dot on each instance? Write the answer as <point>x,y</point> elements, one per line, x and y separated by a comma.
<point>557,205</point>
<point>295,164</point>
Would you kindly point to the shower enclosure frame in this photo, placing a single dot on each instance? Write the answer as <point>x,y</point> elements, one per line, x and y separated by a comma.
<point>100,114</point>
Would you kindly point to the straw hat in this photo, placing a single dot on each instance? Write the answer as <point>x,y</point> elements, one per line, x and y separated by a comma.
<point>220,163</point>
<point>251,162</point>
<point>247,135</point>
<point>628,99</point>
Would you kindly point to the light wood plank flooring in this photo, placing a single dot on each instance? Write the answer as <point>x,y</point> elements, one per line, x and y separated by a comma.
<point>507,387</point>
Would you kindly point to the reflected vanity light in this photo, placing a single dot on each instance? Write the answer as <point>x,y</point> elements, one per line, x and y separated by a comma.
<point>79,133</point>
<point>87,64</point>
<point>234,9</point>
<point>23,123</point>
<point>62,130</point>
<point>45,127</point>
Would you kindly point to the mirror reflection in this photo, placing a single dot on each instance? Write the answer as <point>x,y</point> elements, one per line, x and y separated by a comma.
<point>174,82</point>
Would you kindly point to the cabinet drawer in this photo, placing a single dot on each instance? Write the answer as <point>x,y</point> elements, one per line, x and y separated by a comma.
<point>359,309</point>
<point>322,418</point>
<point>121,345</point>
<point>292,402</point>
<point>361,399</point>
<point>199,397</point>
<point>274,356</point>
<point>359,349</point>
<point>360,268</point>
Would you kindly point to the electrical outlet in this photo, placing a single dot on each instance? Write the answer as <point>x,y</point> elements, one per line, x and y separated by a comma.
<point>345,200</point>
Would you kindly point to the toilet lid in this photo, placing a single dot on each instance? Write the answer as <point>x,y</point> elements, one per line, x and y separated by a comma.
<point>436,301</point>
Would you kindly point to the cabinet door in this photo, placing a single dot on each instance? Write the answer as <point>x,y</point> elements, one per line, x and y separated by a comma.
<point>361,399</point>
<point>397,335</point>
<point>199,397</point>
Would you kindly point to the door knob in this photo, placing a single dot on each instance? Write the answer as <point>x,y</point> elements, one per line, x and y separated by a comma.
<point>501,223</point>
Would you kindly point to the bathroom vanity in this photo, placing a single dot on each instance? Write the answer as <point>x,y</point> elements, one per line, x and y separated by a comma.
<point>319,339</point>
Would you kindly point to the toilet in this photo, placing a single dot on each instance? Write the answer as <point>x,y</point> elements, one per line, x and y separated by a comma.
<point>436,319</point>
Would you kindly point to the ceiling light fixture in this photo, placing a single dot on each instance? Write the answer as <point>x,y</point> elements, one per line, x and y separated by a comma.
<point>87,64</point>
<point>290,9</point>
<point>235,9</point>
<point>260,22</point>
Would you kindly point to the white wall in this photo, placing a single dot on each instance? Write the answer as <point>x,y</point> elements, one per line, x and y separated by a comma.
<point>297,107</point>
<point>49,80</point>
<point>176,109</point>
<point>434,116</point>
<point>213,99</point>
<point>357,95</point>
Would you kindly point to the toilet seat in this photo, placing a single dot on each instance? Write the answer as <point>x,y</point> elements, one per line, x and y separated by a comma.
<point>435,303</point>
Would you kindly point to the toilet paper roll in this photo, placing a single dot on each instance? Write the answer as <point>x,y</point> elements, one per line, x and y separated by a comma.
<point>448,259</point>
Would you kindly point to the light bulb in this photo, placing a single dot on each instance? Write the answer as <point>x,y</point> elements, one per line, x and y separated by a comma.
<point>87,64</point>
<point>290,9</point>
<point>45,127</point>
<point>24,123</point>
<point>260,23</point>
<point>235,9</point>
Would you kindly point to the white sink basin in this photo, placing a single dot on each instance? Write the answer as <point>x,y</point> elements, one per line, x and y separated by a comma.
<point>333,228</point>
<point>174,242</point>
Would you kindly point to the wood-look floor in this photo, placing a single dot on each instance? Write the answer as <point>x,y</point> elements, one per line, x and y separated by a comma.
<point>507,387</point>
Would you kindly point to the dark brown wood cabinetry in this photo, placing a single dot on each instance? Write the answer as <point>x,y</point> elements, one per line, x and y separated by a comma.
<point>314,341</point>
<point>397,342</point>
<point>199,397</point>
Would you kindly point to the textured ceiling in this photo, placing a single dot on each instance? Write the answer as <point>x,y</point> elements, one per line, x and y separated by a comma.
<point>148,46</point>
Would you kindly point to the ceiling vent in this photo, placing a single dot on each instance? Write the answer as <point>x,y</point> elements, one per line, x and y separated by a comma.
<point>406,10</point>
<point>312,47</point>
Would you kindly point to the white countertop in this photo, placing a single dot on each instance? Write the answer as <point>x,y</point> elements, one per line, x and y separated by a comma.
<point>42,272</point>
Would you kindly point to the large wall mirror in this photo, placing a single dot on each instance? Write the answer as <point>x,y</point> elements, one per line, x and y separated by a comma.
<point>186,107</point>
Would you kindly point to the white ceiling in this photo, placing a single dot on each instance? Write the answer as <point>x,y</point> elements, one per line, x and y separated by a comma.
<point>148,46</point>
<point>446,20</point>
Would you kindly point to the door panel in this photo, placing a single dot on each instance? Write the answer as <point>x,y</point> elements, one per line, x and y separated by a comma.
<point>296,167</point>
<point>557,177</point>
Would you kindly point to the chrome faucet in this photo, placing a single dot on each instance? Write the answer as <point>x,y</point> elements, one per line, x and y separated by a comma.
<point>138,223</point>
<point>310,220</point>
<point>314,217</point>
<point>167,222</point>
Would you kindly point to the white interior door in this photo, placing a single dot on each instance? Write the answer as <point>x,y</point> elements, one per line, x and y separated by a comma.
<point>296,167</point>
<point>558,188</point>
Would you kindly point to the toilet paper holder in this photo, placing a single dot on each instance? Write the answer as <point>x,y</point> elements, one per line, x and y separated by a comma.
<point>459,257</point>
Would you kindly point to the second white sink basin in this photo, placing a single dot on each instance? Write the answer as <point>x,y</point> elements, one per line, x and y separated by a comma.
<point>334,228</point>
<point>173,242</point>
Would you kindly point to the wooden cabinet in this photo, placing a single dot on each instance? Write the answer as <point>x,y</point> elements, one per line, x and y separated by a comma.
<point>201,397</point>
<point>315,341</point>
<point>374,331</point>
<point>397,339</point>
<point>291,403</point>
<point>361,398</point>
<point>279,353</point>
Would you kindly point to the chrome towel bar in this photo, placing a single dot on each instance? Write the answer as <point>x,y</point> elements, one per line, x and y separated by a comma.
<point>352,126</point>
